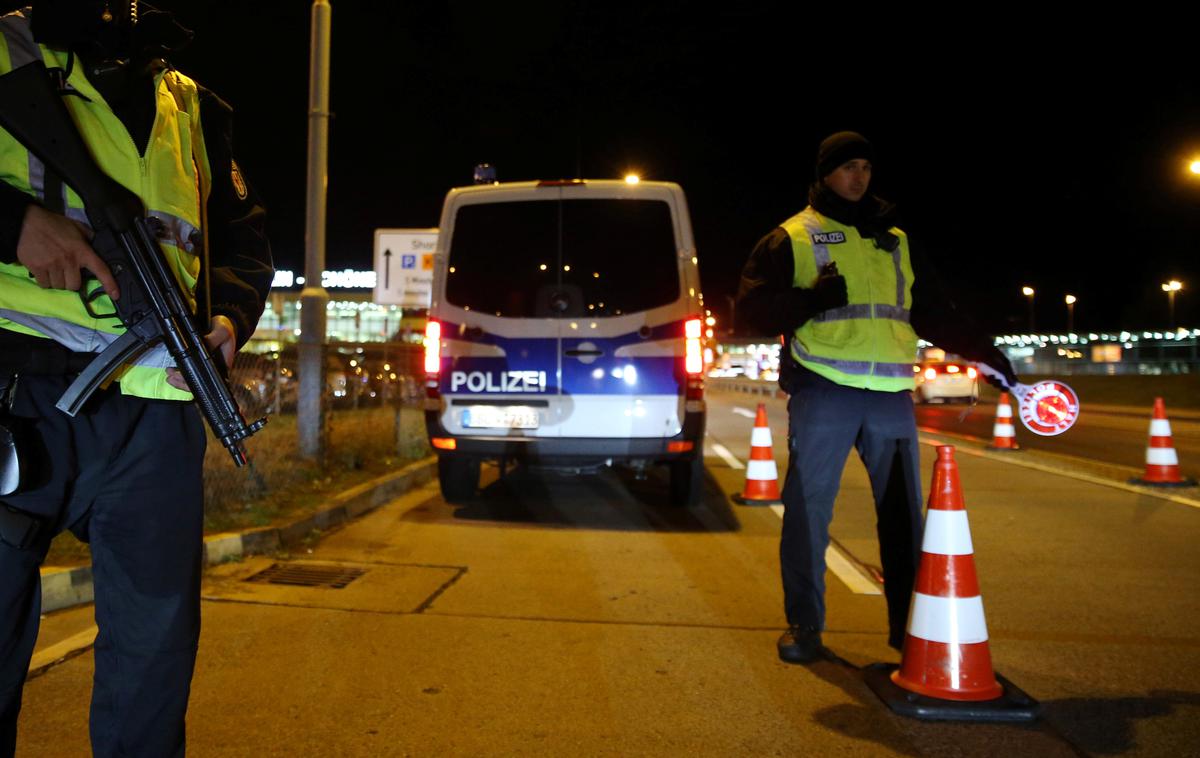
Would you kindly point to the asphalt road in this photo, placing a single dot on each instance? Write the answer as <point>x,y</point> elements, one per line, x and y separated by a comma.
<point>1116,437</point>
<point>582,615</point>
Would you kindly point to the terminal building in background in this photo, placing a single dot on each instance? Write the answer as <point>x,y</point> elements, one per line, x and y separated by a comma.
<point>352,315</point>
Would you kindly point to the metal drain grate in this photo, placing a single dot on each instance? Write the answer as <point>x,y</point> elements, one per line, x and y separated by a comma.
<point>308,575</point>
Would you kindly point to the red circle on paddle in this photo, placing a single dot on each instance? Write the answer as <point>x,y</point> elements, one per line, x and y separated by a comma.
<point>1049,408</point>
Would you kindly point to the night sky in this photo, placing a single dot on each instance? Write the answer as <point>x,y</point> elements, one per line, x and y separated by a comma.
<point>1021,149</point>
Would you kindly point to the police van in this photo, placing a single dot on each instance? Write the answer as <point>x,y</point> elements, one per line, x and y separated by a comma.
<point>565,331</point>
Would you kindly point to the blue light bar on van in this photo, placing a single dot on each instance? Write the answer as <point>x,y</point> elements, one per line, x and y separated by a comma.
<point>561,183</point>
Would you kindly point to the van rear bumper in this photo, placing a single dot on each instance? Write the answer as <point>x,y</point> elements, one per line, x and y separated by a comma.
<point>573,450</point>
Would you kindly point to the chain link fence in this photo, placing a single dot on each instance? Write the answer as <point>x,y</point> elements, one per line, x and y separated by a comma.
<point>374,423</point>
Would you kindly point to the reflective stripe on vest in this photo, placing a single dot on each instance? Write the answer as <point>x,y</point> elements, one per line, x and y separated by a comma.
<point>170,178</point>
<point>858,368</point>
<point>80,339</point>
<point>868,343</point>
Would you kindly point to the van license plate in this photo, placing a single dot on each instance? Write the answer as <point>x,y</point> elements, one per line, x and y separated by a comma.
<point>500,417</point>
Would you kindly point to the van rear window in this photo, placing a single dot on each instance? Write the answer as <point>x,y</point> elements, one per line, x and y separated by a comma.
<point>563,258</point>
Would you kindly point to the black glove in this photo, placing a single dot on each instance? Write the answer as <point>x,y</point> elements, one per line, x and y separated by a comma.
<point>996,359</point>
<point>830,289</point>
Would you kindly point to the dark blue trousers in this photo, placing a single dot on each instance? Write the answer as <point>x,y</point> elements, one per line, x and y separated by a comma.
<point>824,421</point>
<point>125,476</point>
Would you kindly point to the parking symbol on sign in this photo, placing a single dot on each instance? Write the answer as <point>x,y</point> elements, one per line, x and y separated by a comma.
<point>408,261</point>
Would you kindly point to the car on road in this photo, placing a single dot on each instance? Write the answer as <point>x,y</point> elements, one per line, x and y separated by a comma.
<point>566,331</point>
<point>946,382</point>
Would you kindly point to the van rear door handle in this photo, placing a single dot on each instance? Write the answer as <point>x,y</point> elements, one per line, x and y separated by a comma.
<point>577,353</point>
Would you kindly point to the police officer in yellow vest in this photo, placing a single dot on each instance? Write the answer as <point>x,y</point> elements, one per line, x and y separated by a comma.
<point>125,473</point>
<point>843,286</point>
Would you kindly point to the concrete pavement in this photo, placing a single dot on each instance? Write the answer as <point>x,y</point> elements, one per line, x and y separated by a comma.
<point>583,615</point>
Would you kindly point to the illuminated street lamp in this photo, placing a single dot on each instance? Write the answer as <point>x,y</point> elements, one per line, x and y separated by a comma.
<point>1171,288</point>
<point>1070,299</point>
<point>1028,292</point>
<point>1194,166</point>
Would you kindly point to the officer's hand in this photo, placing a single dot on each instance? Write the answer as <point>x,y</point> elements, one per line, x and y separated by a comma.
<point>222,338</point>
<point>996,360</point>
<point>55,248</point>
<point>830,291</point>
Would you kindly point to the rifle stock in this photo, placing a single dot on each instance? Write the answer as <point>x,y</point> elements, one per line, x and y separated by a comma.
<point>152,306</point>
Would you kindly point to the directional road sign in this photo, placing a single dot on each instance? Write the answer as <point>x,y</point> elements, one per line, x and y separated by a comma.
<point>404,267</point>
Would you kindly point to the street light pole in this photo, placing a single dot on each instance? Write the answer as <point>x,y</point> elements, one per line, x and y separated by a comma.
<point>310,406</point>
<point>1070,299</point>
<point>1028,292</point>
<point>1171,288</point>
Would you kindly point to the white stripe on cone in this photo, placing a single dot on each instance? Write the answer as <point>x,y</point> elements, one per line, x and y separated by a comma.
<point>1003,430</point>
<point>760,437</point>
<point>1004,410</point>
<point>1162,456</point>
<point>947,533</point>
<point>761,470</point>
<point>949,620</point>
<point>1160,427</point>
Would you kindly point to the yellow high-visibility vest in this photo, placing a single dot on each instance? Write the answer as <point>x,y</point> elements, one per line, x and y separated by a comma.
<point>867,343</point>
<point>171,179</point>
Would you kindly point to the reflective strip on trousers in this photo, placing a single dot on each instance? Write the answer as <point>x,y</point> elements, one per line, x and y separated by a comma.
<point>81,339</point>
<point>859,368</point>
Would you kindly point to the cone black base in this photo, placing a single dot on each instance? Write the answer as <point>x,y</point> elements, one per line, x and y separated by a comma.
<point>1014,706</point>
<point>1006,449</point>
<point>1144,483</point>
<point>743,501</point>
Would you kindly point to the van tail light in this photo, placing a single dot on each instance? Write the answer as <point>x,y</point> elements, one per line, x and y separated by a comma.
<point>971,372</point>
<point>931,373</point>
<point>433,357</point>
<point>693,360</point>
<point>693,355</point>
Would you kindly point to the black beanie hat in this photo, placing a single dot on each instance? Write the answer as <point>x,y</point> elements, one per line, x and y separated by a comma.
<point>838,148</point>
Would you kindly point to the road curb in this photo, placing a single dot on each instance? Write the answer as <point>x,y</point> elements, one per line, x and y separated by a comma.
<point>67,587</point>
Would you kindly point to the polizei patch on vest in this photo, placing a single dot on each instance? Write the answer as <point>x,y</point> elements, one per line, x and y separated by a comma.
<point>829,238</point>
<point>239,184</point>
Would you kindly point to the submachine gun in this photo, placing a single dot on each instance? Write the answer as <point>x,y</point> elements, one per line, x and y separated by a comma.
<point>152,306</point>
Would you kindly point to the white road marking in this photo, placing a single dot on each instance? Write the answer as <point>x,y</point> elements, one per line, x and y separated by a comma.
<point>62,649</point>
<point>843,568</point>
<point>727,456</point>
<point>744,412</point>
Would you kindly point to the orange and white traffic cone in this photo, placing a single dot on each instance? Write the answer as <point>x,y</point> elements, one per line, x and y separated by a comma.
<point>1004,436</point>
<point>762,477</point>
<point>946,651</point>
<point>1162,462</point>
<point>946,666</point>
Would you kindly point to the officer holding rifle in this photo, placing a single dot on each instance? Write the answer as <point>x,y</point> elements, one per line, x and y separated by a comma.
<point>124,473</point>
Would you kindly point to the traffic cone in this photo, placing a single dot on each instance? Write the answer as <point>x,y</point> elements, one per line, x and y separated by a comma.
<point>946,649</point>
<point>762,477</point>
<point>1003,433</point>
<point>946,665</point>
<point>1162,462</point>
